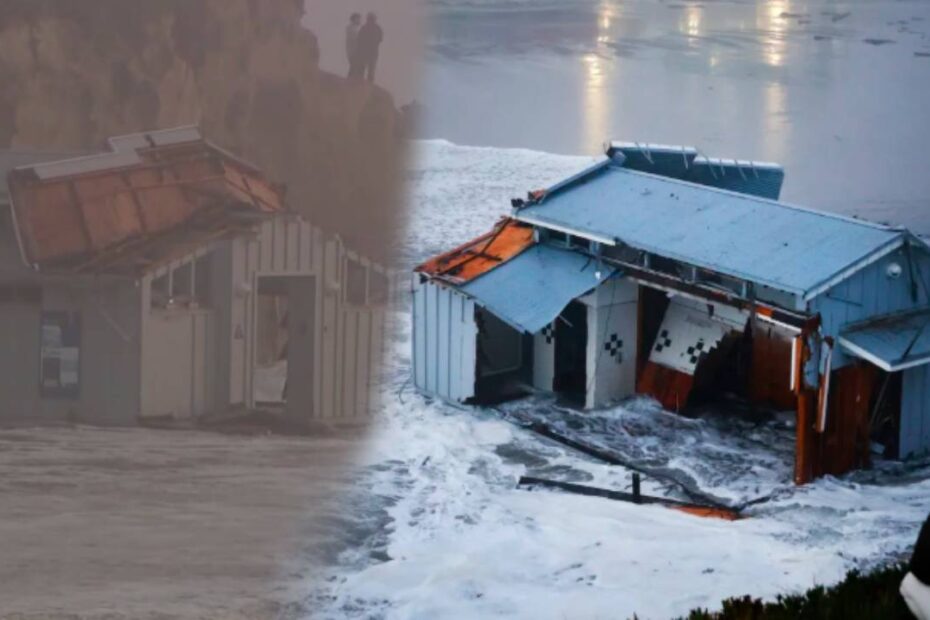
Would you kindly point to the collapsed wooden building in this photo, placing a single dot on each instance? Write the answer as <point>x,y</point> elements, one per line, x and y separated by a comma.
<point>659,271</point>
<point>167,278</point>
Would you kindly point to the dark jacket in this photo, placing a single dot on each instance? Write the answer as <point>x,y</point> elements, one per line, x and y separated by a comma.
<point>920,561</point>
<point>369,40</point>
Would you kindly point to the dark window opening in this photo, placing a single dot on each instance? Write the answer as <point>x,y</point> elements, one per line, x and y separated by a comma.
<point>182,285</point>
<point>669,266</point>
<point>356,283</point>
<point>623,253</point>
<point>160,295</point>
<point>203,281</point>
<point>580,242</point>
<point>557,237</point>
<point>378,287</point>
<point>189,285</point>
<point>719,281</point>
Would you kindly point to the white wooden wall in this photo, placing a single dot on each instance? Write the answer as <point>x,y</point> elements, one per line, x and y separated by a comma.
<point>444,341</point>
<point>611,349</point>
<point>349,337</point>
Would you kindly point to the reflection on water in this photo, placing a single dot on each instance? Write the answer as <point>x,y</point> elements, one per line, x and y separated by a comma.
<point>690,22</point>
<point>772,21</point>
<point>596,111</point>
<point>776,132</point>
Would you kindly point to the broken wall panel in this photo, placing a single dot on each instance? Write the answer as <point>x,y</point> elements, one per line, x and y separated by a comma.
<point>770,372</point>
<point>844,444</point>
<point>670,387</point>
<point>690,330</point>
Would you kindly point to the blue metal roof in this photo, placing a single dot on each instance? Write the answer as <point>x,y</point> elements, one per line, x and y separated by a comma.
<point>892,342</point>
<point>763,241</point>
<point>683,163</point>
<point>530,290</point>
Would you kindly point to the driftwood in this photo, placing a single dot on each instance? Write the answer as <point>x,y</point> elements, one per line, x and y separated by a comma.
<point>633,498</point>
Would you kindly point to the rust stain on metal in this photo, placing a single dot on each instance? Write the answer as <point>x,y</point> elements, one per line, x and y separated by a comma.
<point>127,218</point>
<point>470,260</point>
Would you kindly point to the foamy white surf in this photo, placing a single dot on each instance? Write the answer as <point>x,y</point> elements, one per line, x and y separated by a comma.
<point>464,542</point>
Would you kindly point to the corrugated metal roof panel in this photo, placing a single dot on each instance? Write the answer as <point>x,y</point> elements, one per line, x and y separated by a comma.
<point>84,165</point>
<point>761,179</point>
<point>782,246</point>
<point>892,342</point>
<point>488,251</point>
<point>744,177</point>
<point>97,214</point>
<point>14,158</point>
<point>531,290</point>
<point>160,137</point>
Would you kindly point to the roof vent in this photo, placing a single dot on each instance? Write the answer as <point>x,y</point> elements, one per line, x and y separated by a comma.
<point>894,271</point>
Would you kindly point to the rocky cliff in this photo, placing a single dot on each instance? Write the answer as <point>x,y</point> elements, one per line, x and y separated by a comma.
<point>75,73</point>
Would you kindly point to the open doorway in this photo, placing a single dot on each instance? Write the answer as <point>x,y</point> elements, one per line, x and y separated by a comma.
<point>885,414</point>
<point>284,343</point>
<point>571,341</point>
<point>504,360</point>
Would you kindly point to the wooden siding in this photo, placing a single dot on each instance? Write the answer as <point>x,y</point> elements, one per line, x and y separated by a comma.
<point>770,373</point>
<point>349,348</point>
<point>915,412</point>
<point>444,340</point>
<point>869,293</point>
<point>844,444</point>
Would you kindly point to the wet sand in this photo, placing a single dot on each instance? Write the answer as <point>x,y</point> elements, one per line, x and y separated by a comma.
<point>837,92</point>
<point>136,523</point>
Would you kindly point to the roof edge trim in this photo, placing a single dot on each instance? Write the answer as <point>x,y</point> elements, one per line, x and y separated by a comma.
<point>575,178</point>
<point>533,221</point>
<point>877,361</point>
<point>855,266</point>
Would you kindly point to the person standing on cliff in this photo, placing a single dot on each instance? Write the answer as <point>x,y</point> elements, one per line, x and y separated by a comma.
<point>352,29</point>
<point>369,44</point>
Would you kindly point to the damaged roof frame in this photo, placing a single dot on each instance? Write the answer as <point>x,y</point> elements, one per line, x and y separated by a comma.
<point>152,198</point>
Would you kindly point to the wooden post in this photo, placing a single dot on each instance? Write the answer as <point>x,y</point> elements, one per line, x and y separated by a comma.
<point>637,494</point>
<point>804,427</point>
<point>803,451</point>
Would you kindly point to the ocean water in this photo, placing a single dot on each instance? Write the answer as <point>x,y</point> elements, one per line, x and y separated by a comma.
<point>836,91</point>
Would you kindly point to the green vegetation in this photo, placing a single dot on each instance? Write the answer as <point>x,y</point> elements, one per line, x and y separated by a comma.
<point>857,597</point>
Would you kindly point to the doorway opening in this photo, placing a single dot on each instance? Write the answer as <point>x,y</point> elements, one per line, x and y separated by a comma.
<point>283,370</point>
<point>504,360</point>
<point>885,414</point>
<point>571,344</point>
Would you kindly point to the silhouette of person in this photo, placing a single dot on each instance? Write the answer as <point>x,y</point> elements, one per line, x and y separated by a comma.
<point>355,23</point>
<point>369,44</point>
<point>915,588</point>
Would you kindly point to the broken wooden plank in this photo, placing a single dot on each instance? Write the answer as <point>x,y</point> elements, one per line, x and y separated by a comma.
<point>633,498</point>
<point>615,459</point>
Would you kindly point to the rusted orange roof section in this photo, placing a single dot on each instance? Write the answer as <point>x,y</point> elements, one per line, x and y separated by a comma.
<point>480,255</point>
<point>131,209</point>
